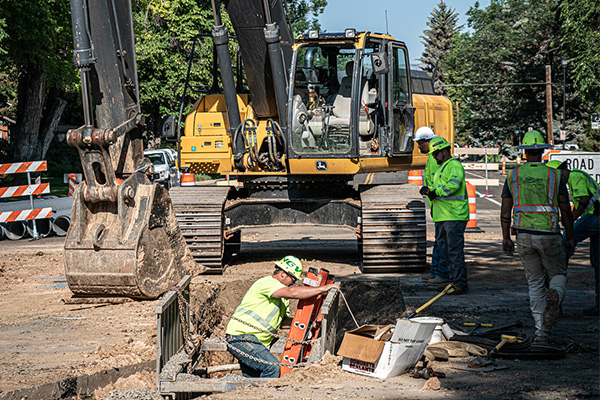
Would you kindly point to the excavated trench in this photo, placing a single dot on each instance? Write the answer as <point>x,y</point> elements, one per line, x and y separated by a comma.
<point>371,302</point>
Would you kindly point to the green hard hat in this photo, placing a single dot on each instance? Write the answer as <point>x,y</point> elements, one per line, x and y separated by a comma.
<point>533,140</point>
<point>553,164</point>
<point>438,143</point>
<point>291,266</point>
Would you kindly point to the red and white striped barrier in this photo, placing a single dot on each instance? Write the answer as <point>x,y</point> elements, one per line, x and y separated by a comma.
<point>25,190</point>
<point>72,184</point>
<point>22,167</point>
<point>25,215</point>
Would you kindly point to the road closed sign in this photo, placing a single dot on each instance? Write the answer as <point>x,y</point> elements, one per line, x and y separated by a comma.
<point>588,162</point>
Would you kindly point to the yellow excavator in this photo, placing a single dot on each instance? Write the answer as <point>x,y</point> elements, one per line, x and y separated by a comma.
<point>311,114</point>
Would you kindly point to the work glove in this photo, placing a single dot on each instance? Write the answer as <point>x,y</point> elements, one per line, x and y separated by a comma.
<point>431,194</point>
<point>424,191</point>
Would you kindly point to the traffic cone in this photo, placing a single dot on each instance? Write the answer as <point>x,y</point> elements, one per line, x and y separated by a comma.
<point>503,165</point>
<point>72,184</point>
<point>188,180</point>
<point>472,224</point>
<point>415,176</point>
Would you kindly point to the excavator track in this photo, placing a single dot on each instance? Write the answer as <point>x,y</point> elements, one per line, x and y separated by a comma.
<point>394,232</point>
<point>199,212</point>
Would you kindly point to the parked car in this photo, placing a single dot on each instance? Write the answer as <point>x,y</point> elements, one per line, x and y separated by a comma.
<point>165,168</point>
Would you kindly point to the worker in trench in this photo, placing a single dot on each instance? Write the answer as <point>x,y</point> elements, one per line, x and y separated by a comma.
<point>264,308</point>
<point>536,195</point>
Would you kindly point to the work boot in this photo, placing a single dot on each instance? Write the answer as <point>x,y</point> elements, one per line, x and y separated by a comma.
<point>427,277</point>
<point>592,311</point>
<point>552,309</point>
<point>541,340</point>
<point>437,282</point>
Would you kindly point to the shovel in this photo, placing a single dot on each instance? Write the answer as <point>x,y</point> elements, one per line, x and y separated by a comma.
<point>479,362</point>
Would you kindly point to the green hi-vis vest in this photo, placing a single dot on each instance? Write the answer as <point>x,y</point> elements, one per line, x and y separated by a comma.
<point>534,189</point>
<point>452,202</point>
<point>582,184</point>
<point>259,309</point>
<point>430,169</point>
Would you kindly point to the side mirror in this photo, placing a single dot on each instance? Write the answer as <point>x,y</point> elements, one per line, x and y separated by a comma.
<point>380,63</point>
<point>168,127</point>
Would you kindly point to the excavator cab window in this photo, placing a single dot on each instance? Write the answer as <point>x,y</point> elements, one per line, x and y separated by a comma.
<point>400,98</point>
<point>321,98</point>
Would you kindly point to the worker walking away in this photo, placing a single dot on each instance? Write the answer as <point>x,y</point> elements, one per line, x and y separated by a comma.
<point>536,195</point>
<point>260,314</point>
<point>585,193</point>
<point>449,211</point>
<point>438,272</point>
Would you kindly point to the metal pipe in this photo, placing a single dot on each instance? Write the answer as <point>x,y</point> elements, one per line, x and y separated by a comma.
<point>564,109</point>
<point>61,225</point>
<point>41,227</point>
<point>15,230</point>
<point>2,232</point>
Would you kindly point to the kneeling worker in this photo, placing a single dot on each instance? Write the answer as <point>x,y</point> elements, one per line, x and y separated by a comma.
<point>260,314</point>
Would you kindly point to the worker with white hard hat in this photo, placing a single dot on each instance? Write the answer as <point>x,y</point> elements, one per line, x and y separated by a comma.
<point>438,271</point>
<point>260,314</point>
<point>536,195</point>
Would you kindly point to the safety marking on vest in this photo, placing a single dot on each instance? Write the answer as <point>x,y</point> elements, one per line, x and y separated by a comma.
<point>25,190</point>
<point>25,215</point>
<point>22,167</point>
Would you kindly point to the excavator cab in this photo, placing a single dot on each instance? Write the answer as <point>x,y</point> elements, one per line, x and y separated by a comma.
<point>350,97</point>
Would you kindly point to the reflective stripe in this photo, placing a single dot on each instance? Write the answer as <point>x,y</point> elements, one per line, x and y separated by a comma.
<point>265,322</point>
<point>539,208</point>
<point>452,198</point>
<point>552,186</point>
<point>455,181</point>
<point>446,190</point>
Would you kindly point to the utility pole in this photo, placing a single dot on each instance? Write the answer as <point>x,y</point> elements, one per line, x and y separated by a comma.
<point>563,133</point>
<point>549,129</point>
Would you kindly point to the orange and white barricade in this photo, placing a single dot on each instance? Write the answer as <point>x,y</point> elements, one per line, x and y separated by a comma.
<point>503,165</point>
<point>415,176</point>
<point>472,224</point>
<point>25,190</point>
<point>188,180</point>
<point>72,184</point>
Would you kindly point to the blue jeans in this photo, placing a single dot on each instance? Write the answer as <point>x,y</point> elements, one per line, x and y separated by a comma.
<point>251,368</point>
<point>438,263</point>
<point>451,237</point>
<point>588,226</point>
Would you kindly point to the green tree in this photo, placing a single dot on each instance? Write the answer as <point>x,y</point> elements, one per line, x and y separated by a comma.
<point>509,43</point>
<point>37,43</point>
<point>438,41</point>
<point>303,14</point>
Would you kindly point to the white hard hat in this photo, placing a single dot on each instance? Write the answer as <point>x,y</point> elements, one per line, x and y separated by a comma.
<point>424,133</point>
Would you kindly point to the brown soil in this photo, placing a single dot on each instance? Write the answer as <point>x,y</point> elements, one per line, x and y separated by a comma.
<point>44,340</point>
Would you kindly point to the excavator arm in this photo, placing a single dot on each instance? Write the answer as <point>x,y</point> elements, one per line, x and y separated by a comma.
<point>124,238</point>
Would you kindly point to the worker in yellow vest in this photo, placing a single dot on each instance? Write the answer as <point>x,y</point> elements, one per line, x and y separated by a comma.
<point>438,272</point>
<point>449,211</point>
<point>585,194</point>
<point>260,314</point>
<point>536,196</point>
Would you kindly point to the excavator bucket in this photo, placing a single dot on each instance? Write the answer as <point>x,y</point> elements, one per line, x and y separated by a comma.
<point>132,247</point>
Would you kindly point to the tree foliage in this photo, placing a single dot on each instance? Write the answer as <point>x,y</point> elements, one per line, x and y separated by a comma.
<point>38,58</point>
<point>438,41</point>
<point>303,14</point>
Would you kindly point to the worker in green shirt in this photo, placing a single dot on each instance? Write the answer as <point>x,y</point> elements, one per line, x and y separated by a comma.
<point>449,211</point>
<point>585,194</point>
<point>260,314</point>
<point>438,272</point>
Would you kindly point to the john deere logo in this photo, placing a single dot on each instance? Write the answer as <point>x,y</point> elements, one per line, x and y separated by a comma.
<point>321,165</point>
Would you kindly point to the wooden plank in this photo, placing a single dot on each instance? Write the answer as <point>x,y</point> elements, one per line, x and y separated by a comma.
<point>480,166</point>
<point>481,182</point>
<point>475,150</point>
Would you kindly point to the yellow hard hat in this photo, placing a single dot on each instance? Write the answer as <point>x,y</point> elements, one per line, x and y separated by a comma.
<point>291,266</point>
<point>438,143</point>
<point>533,140</point>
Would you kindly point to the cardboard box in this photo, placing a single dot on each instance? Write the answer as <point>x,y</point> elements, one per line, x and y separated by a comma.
<point>400,348</point>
